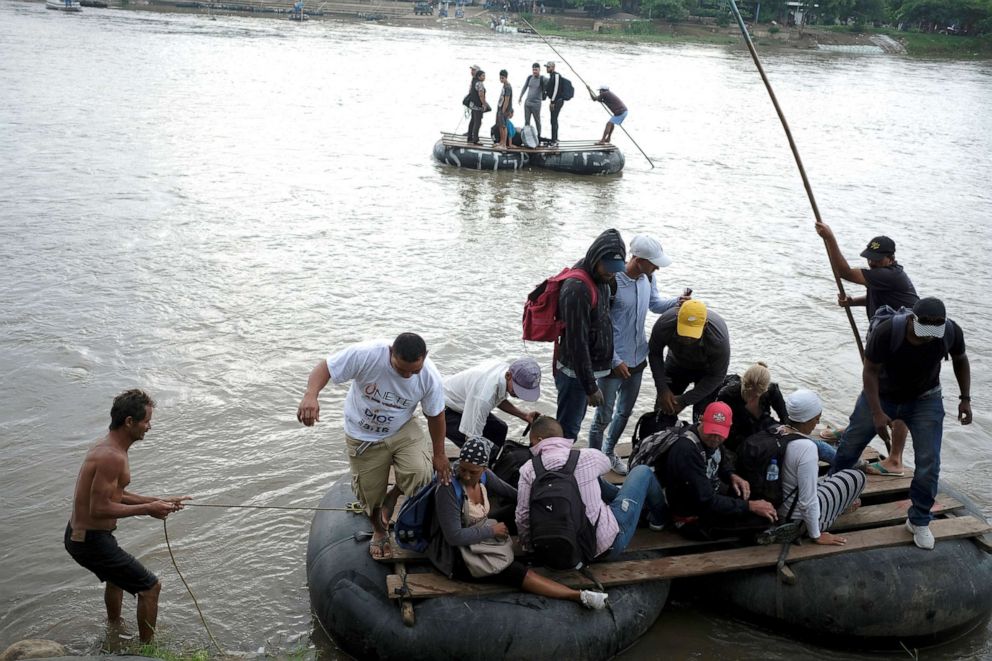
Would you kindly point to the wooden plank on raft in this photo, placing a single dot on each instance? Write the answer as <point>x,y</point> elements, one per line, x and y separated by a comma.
<point>883,514</point>
<point>425,585</point>
<point>868,516</point>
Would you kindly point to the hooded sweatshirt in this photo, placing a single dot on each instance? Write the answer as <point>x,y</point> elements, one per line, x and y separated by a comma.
<point>587,340</point>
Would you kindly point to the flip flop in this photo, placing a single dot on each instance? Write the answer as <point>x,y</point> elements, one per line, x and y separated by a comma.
<point>876,468</point>
<point>831,434</point>
<point>380,545</point>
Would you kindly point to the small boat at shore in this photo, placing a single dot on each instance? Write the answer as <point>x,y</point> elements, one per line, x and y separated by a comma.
<point>878,590</point>
<point>63,5</point>
<point>574,157</point>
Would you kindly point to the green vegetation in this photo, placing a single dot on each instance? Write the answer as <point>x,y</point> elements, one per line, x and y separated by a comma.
<point>159,651</point>
<point>932,44</point>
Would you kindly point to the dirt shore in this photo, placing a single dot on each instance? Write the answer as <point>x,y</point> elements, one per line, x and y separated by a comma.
<point>569,24</point>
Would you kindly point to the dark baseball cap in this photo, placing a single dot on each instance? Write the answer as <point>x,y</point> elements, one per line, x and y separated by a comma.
<point>879,247</point>
<point>929,317</point>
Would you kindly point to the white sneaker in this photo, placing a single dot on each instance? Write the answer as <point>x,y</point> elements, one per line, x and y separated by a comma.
<point>593,600</point>
<point>922,536</point>
<point>618,464</point>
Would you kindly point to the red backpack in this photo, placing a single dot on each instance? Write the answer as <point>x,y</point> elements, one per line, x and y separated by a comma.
<point>541,323</point>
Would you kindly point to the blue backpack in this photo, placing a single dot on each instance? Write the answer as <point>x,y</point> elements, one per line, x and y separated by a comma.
<point>899,318</point>
<point>413,523</point>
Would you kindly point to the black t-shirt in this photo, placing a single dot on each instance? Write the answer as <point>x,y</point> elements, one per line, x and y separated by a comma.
<point>889,285</point>
<point>910,370</point>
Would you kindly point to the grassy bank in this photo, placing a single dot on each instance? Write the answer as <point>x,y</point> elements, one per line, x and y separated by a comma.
<point>917,44</point>
<point>635,31</point>
<point>928,44</point>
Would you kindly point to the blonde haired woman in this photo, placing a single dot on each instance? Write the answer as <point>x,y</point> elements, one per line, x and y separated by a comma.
<point>752,397</point>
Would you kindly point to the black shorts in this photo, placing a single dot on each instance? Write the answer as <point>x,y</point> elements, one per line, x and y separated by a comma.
<point>112,564</point>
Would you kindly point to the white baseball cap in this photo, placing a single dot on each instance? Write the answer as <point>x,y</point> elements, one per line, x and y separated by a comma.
<point>645,247</point>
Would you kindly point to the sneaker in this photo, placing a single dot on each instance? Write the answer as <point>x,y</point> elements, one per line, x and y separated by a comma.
<point>922,536</point>
<point>655,527</point>
<point>593,600</point>
<point>618,464</point>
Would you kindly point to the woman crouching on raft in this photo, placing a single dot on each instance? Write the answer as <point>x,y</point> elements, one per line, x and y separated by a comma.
<point>467,545</point>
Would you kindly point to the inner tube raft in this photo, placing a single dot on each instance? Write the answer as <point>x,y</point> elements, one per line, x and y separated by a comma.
<point>871,598</point>
<point>479,158</point>
<point>573,157</point>
<point>348,598</point>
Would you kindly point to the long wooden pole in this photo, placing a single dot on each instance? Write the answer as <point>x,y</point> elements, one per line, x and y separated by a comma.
<point>799,163</point>
<point>577,75</point>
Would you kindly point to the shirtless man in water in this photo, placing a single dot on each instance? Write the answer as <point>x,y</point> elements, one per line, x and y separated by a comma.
<point>101,498</point>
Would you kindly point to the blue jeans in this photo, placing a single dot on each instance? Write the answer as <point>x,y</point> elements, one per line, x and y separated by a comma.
<point>640,488</point>
<point>572,402</point>
<point>925,418</point>
<point>606,415</point>
<point>825,451</point>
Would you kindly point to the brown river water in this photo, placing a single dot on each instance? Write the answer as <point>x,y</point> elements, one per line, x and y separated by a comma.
<point>204,208</point>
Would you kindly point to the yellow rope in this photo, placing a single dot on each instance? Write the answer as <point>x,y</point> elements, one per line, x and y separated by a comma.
<point>350,507</point>
<point>165,527</point>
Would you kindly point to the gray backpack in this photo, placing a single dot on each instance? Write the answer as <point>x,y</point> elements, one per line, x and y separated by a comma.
<point>528,134</point>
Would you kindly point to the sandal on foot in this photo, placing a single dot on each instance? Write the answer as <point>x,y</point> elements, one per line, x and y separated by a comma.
<point>380,549</point>
<point>831,434</point>
<point>876,468</point>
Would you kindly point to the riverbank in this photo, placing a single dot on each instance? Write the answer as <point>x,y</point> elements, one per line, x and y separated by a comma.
<point>620,27</point>
<point>629,28</point>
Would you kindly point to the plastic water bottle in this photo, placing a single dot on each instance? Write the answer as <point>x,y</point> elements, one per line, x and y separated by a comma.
<point>772,474</point>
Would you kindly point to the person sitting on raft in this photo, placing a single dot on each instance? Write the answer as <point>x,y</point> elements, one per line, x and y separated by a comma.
<point>752,397</point>
<point>707,499</point>
<point>613,512</point>
<point>513,135</point>
<point>467,545</point>
<point>818,504</point>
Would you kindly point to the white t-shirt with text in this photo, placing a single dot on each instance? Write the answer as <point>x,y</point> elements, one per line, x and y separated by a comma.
<point>379,400</point>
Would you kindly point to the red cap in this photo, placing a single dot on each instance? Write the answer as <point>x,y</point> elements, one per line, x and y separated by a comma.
<point>717,419</point>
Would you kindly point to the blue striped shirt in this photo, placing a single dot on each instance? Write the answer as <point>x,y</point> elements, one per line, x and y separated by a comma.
<point>628,311</point>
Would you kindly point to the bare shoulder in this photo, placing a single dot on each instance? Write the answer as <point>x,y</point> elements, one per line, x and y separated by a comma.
<point>106,456</point>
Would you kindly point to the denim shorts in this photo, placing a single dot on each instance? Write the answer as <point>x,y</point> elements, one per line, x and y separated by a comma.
<point>101,555</point>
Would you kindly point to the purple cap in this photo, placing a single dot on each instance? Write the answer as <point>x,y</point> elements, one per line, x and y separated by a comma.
<point>526,376</point>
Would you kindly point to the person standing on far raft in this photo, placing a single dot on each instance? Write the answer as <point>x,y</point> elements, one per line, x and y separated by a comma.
<point>477,105</point>
<point>533,88</point>
<point>101,497</point>
<point>553,92</point>
<point>616,106</point>
<point>466,101</point>
<point>902,382</point>
<point>504,109</point>
<point>387,383</point>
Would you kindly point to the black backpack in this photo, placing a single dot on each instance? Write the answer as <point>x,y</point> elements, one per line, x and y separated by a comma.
<point>511,457</point>
<point>567,90</point>
<point>560,532</point>
<point>650,423</point>
<point>755,454</point>
<point>649,450</point>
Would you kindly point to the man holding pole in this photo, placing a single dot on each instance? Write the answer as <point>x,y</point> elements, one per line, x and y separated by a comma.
<point>616,107</point>
<point>886,284</point>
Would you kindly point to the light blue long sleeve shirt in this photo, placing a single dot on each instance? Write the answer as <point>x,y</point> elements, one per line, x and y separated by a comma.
<point>629,310</point>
